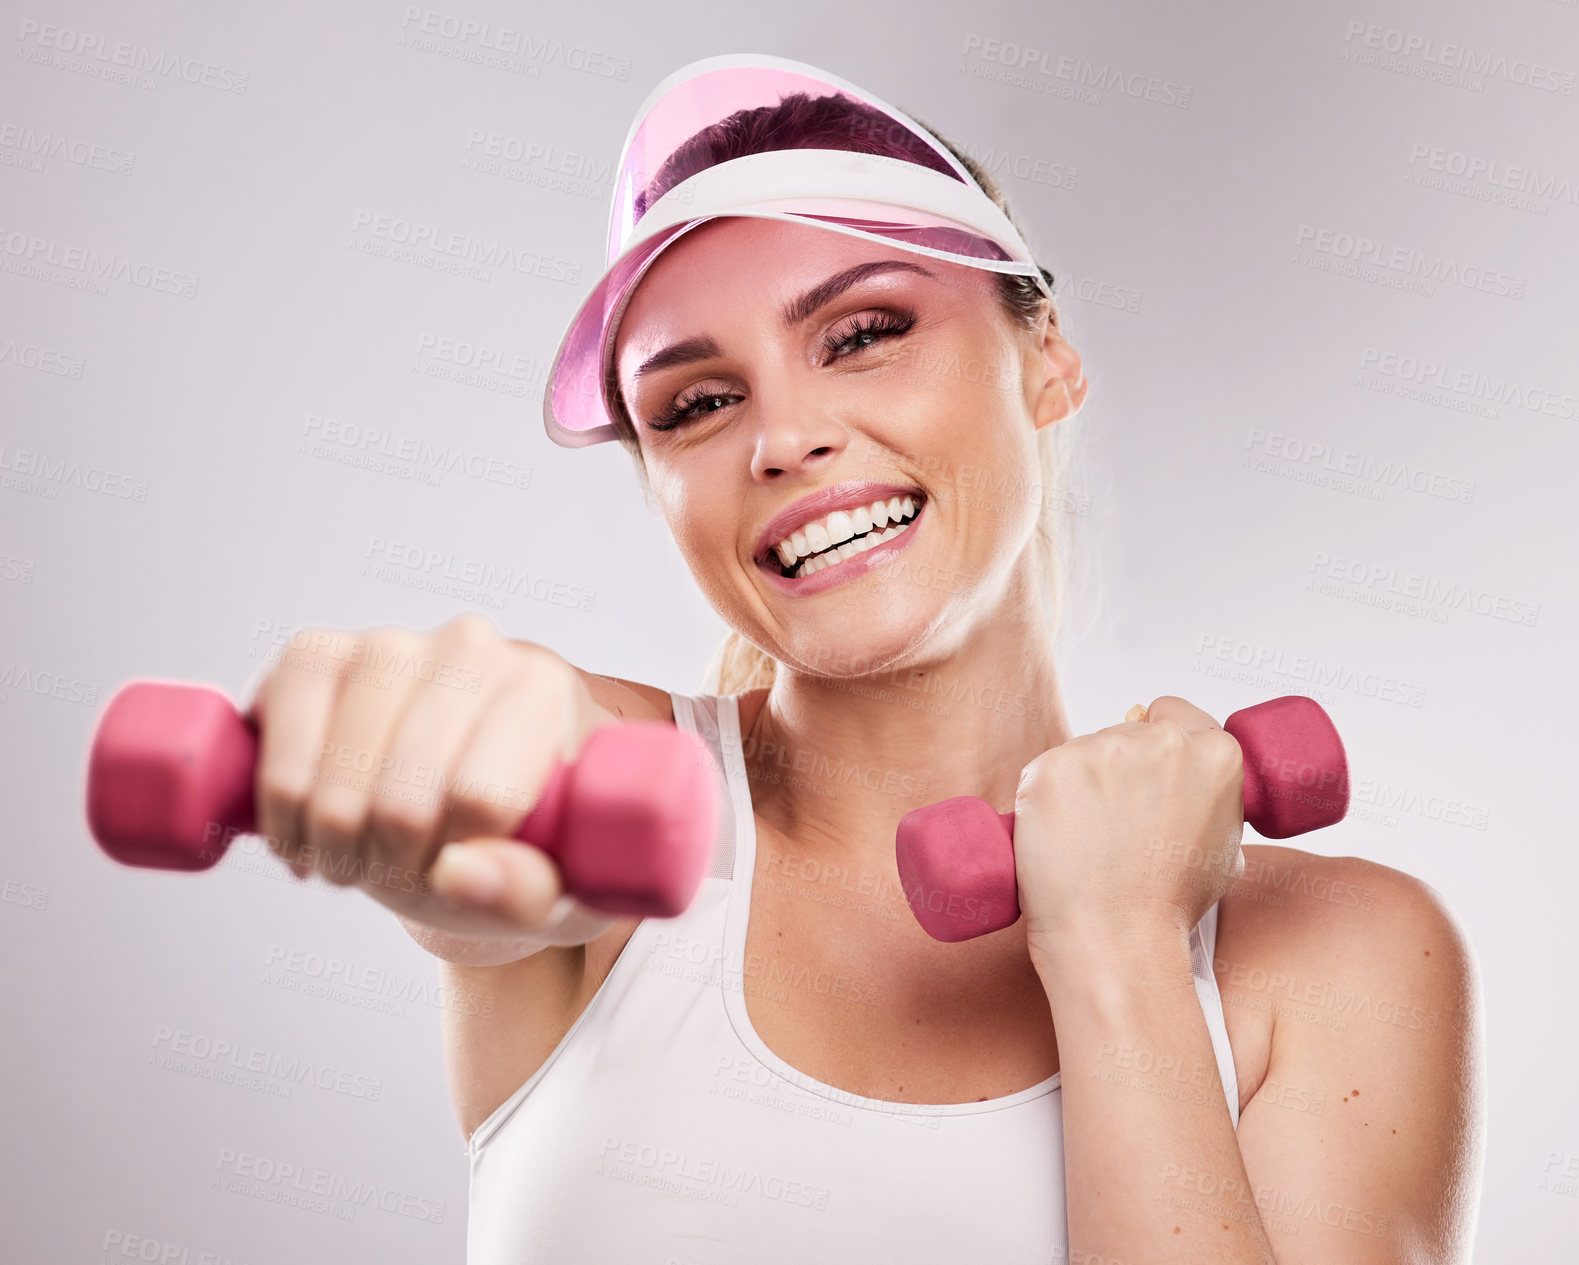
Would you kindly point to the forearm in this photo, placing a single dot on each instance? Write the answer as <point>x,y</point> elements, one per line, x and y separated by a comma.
<point>1152,1163</point>
<point>470,950</point>
<point>466,940</point>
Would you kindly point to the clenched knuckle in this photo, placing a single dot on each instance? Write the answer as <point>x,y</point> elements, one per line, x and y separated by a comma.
<point>1035,789</point>
<point>548,683</point>
<point>325,644</point>
<point>1169,733</point>
<point>1037,771</point>
<point>358,648</point>
<point>471,632</point>
<point>1101,748</point>
<point>382,646</point>
<point>537,663</point>
<point>1227,755</point>
<point>298,656</point>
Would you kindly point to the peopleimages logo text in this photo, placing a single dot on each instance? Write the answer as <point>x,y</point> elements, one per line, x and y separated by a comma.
<point>1430,267</point>
<point>1515,70</point>
<point>90,48</point>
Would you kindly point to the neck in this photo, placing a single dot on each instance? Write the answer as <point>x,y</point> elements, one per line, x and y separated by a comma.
<point>835,762</point>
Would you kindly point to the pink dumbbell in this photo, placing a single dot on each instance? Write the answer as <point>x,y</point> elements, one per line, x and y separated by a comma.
<point>630,823</point>
<point>956,857</point>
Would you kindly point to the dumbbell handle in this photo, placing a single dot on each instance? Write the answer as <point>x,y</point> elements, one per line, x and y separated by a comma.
<point>172,770</point>
<point>956,857</point>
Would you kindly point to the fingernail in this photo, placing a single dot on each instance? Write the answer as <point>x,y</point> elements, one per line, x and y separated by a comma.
<point>560,910</point>
<point>468,876</point>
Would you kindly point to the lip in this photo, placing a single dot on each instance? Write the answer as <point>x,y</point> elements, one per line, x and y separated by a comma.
<point>851,568</point>
<point>838,496</point>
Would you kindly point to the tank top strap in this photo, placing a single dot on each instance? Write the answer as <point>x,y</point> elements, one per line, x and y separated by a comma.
<point>698,714</point>
<point>1203,947</point>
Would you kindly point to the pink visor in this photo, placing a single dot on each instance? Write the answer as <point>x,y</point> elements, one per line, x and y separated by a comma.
<point>853,165</point>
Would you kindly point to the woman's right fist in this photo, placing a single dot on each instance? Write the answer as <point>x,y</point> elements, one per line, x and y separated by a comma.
<point>403,762</point>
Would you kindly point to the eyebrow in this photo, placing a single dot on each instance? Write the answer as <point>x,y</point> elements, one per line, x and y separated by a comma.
<point>793,313</point>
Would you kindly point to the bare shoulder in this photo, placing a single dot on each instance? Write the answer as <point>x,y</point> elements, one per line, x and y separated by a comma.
<point>629,700</point>
<point>1307,944</point>
<point>1344,913</point>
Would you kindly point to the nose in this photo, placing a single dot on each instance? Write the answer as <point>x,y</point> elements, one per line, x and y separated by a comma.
<point>795,438</point>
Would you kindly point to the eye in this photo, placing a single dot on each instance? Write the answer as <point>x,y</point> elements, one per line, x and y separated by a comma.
<point>865,329</point>
<point>688,407</point>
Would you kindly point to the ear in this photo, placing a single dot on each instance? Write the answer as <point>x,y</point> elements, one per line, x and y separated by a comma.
<point>1063,385</point>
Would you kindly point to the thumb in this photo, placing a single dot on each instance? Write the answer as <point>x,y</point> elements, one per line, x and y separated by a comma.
<point>510,880</point>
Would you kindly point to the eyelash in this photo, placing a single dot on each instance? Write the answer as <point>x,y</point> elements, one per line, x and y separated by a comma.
<point>885,324</point>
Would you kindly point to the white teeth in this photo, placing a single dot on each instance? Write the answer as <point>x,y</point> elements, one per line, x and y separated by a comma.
<point>841,526</point>
<point>848,550</point>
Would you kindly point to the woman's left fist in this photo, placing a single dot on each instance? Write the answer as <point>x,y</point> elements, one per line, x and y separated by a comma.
<point>1129,834</point>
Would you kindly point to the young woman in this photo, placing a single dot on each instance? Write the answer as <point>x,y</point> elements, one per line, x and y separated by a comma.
<point>847,391</point>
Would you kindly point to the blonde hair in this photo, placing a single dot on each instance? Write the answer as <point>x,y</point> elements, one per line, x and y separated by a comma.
<point>739,664</point>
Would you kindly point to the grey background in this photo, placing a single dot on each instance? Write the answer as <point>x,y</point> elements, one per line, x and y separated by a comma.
<point>1175,237</point>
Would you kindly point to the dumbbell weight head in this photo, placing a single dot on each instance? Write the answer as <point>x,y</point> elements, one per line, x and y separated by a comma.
<point>170,775</point>
<point>952,858</point>
<point>642,834</point>
<point>1296,771</point>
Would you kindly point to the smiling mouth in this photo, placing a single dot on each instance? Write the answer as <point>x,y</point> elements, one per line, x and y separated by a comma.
<point>835,554</point>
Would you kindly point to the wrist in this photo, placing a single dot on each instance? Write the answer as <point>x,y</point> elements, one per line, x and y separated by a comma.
<point>1152,954</point>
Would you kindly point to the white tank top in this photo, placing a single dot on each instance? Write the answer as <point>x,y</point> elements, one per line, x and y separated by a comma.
<point>662,1131</point>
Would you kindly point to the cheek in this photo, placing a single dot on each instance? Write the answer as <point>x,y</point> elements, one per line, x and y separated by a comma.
<point>703,526</point>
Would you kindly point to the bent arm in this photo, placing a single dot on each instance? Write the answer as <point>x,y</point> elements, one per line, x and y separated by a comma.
<point>1364,1141</point>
